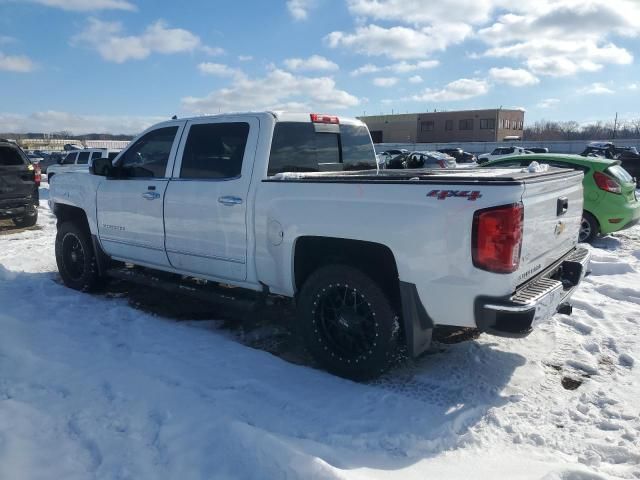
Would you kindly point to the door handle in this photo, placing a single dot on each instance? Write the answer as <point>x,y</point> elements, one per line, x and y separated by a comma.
<point>150,195</point>
<point>230,200</point>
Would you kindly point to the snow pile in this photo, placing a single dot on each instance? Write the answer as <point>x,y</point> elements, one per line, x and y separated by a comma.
<point>92,388</point>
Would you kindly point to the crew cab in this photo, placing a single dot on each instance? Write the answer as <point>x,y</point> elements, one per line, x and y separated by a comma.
<point>79,161</point>
<point>294,205</point>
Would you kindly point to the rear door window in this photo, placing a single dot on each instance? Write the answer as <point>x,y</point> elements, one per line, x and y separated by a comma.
<point>83,158</point>
<point>10,157</point>
<point>214,150</point>
<point>95,155</point>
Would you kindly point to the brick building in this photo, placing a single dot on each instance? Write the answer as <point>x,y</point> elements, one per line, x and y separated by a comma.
<point>491,125</point>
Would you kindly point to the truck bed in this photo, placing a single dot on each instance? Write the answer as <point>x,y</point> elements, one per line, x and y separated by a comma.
<point>475,176</point>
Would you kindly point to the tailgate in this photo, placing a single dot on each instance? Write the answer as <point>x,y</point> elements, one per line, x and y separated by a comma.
<point>552,216</point>
<point>16,175</point>
<point>16,182</point>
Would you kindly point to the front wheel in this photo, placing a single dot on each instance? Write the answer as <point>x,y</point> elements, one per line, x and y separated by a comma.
<point>76,258</point>
<point>347,322</point>
<point>589,228</point>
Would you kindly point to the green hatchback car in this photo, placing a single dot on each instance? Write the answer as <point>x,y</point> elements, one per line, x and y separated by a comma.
<point>610,200</point>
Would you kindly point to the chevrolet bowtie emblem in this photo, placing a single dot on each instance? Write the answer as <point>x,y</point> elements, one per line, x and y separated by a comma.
<point>560,227</point>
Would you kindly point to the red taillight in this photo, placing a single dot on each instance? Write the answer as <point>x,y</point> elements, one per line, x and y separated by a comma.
<point>497,238</point>
<point>442,164</point>
<point>320,118</point>
<point>37,175</point>
<point>606,183</point>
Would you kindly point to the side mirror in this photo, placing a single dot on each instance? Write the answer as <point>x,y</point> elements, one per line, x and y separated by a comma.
<point>101,167</point>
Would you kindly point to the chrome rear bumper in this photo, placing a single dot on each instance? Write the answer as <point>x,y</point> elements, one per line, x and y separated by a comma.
<point>534,301</point>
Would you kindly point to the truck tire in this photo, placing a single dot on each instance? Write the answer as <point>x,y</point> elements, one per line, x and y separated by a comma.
<point>347,322</point>
<point>27,221</point>
<point>589,228</point>
<point>76,257</point>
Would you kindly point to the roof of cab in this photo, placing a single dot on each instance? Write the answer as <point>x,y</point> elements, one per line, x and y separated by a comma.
<point>278,115</point>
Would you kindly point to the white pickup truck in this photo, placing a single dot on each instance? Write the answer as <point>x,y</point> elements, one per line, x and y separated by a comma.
<point>292,205</point>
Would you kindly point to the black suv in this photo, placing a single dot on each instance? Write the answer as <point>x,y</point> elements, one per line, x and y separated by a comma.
<point>19,182</point>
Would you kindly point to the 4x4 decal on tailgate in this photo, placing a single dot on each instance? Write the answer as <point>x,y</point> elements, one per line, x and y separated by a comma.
<point>444,194</point>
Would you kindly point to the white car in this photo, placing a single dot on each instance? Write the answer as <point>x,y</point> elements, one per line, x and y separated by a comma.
<point>501,152</point>
<point>79,161</point>
<point>292,205</point>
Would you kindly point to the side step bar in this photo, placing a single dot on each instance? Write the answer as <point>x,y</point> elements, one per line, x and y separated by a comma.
<point>206,291</point>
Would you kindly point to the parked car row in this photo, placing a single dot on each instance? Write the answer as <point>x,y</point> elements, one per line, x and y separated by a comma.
<point>79,160</point>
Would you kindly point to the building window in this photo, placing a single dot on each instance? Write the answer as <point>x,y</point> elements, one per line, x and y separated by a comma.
<point>427,126</point>
<point>448,125</point>
<point>466,124</point>
<point>507,124</point>
<point>487,124</point>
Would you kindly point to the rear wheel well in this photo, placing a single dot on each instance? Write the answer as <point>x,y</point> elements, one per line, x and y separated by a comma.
<point>67,213</point>
<point>373,259</point>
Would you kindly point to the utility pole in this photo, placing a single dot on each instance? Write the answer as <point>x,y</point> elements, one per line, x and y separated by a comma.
<point>615,126</point>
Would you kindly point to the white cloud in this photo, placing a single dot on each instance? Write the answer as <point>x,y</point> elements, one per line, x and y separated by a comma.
<point>219,70</point>
<point>16,63</point>
<point>314,62</point>
<point>516,77</point>
<point>416,79</point>
<point>110,42</point>
<point>54,121</point>
<point>633,86</point>
<point>299,9</point>
<point>462,89</point>
<point>565,37</point>
<point>385,81</point>
<point>548,103</point>
<point>423,11</point>
<point>245,58</point>
<point>398,68</point>
<point>401,43</point>
<point>88,5</point>
<point>596,88</point>
<point>279,89</point>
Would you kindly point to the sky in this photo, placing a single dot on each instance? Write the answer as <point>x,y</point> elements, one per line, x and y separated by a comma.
<point>118,66</point>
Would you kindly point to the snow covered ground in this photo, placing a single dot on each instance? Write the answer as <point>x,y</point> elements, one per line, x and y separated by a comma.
<point>93,388</point>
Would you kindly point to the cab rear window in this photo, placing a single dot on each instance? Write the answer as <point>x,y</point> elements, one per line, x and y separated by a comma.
<point>298,147</point>
<point>10,157</point>
<point>619,173</point>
